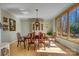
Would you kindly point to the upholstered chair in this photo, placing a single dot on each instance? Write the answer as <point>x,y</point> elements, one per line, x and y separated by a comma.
<point>20,39</point>
<point>31,40</point>
<point>41,39</point>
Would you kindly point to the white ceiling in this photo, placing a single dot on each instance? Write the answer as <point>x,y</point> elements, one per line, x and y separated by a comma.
<point>46,10</point>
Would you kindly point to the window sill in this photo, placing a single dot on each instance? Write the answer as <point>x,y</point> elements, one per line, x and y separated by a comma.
<point>74,40</point>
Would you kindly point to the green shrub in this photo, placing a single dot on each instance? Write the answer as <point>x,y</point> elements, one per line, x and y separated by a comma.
<point>49,33</point>
<point>74,28</point>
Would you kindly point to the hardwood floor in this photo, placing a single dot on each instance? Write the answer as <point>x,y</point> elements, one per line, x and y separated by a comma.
<point>56,50</point>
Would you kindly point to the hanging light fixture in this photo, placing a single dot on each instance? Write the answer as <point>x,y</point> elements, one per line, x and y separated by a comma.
<point>37,20</point>
<point>36,13</point>
<point>37,25</point>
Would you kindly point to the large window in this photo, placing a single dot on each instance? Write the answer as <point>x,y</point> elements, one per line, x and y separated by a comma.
<point>58,24</point>
<point>69,23</point>
<point>64,26</point>
<point>72,17</point>
<point>74,22</point>
<point>77,14</point>
<point>64,23</point>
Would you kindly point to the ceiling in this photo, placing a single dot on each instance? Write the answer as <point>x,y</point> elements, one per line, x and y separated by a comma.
<point>45,10</point>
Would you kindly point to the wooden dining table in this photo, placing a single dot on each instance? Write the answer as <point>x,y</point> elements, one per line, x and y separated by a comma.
<point>36,38</point>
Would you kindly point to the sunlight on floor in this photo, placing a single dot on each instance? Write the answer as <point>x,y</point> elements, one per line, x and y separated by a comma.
<point>52,49</point>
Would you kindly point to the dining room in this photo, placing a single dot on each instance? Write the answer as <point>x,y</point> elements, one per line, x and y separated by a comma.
<point>30,30</point>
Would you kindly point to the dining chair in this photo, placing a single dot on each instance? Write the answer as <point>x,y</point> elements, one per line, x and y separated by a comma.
<point>20,39</point>
<point>41,39</point>
<point>54,37</point>
<point>31,40</point>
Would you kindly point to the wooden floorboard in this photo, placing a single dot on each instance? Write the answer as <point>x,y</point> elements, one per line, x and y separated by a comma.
<point>20,51</point>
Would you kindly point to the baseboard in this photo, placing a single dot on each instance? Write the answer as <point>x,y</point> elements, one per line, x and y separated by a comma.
<point>13,41</point>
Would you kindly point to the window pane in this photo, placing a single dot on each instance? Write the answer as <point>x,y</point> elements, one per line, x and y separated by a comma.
<point>64,23</point>
<point>72,19</point>
<point>58,24</point>
<point>72,16</point>
<point>77,14</point>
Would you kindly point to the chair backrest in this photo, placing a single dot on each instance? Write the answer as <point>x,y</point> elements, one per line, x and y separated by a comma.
<point>41,35</point>
<point>33,34</point>
<point>18,36</point>
<point>30,35</point>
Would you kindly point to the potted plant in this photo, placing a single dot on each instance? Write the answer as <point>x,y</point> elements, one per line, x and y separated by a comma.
<point>49,33</point>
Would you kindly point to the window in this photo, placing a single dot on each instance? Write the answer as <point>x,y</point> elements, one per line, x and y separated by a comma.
<point>77,14</point>
<point>70,24</point>
<point>58,24</point>
<point>72,20</point>
<point>72,17</point>
<point>64,23</point>
<point>74,23</point>
<point>64,26</point>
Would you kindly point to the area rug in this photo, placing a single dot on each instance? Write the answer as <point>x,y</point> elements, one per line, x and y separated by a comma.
<point>51,49</point>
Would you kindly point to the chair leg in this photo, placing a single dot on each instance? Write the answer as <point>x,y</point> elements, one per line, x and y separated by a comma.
<point>38,45</point>
<point>18,44</point>
<point>28,46</point>
<point>34,47</point>
<point>44,46</point>
<point>24,45</point>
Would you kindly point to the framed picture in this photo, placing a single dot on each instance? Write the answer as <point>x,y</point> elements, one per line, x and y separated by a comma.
<point>5,19</point>
<point>5,24</point>
<point>12,25</point>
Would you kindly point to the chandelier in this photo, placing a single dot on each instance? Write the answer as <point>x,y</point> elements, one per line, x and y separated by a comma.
<point>37,25</point>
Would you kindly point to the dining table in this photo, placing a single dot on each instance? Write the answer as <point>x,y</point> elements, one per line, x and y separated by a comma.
<point>35,38</point>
